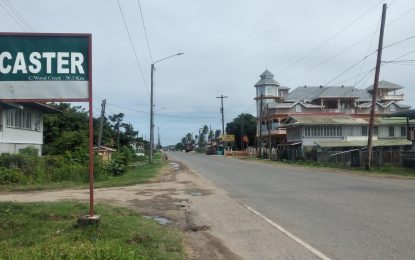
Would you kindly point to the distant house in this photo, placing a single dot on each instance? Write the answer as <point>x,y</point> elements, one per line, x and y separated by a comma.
<point>22,126</point>
<point>343,131</point>
<point>139,149</point>
<point>105,152</point>
<point>279,104</point>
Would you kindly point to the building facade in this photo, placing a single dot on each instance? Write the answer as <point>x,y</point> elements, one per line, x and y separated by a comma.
<point>308,116</point>
<point>22,126</point>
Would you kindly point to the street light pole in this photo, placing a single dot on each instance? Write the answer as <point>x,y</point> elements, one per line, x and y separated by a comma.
<point>152,106</point>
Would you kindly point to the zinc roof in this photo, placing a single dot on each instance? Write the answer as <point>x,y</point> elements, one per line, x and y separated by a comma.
<point>327,120</point>
<point>267,78</point>
<point>385,85</point>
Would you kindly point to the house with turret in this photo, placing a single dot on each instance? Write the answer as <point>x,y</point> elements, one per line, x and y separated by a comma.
<point>328,116</point>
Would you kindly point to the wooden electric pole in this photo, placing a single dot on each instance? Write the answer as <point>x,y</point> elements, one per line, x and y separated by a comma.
<point>375,88</point>
<point>269,134</point>
<point>101,125</point>
<point>221,110</point>
<point>260,125</point>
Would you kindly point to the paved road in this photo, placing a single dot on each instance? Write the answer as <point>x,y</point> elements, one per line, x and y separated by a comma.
<point>342,216</point>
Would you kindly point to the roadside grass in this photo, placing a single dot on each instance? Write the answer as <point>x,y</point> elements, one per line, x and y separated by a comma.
<point>48,231</point>
<point>386,171</point>
<point>136,175</point>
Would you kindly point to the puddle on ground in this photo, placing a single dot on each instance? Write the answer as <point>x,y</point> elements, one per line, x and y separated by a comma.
<point>175,166</point>
<point>195,193</point>
<point>158,219</point>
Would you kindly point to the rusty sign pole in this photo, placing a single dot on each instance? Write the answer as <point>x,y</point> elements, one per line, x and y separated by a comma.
<point>375,88</point>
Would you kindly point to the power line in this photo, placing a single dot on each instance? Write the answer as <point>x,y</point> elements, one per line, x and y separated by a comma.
<point>190,117</point>
<point>364,59</point>
<point>368,49</point>
<point>349,68</point>
<point>132,45</point>
<point>354,77</point>
<point>19,16</point>
<point>351,46</point>
<point>398,42</point>
<point>13,17</point>
<point>329,39</point>
<point>145,30</point>
<point>328,59</point>
<point>401,56</point>
<point>163,115</point>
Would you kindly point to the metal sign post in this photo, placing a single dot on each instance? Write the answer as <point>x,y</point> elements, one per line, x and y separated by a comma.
<point>50,67</point>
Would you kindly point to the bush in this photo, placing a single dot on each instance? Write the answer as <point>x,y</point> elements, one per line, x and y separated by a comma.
<point>12,176</point>
<point>29,151</point>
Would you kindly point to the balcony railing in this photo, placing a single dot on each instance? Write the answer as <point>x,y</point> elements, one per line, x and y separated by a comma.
<point>392,97</point>
<point>279,131</point>
<point>341,110</point>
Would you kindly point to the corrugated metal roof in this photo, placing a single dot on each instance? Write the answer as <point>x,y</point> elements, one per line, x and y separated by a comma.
<point>327,120</point>
<point>291,104</point>
<point>303,93</point>
<point>409,113</point>
<point>393,121</point>
<point>385,85</point>
<point>267,78</point>
<point>363,143</point>
<point>316,92</point>
<point>343,91</point>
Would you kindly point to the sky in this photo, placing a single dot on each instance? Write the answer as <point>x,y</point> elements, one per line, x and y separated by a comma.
<point>226,46</point>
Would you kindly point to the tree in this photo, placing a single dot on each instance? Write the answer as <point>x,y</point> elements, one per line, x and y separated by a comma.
<point>217,133</point>
<point>202,136</point>
<point>244,124</point>
<point>129,136</point>
<point>116,119</point>
<point>65,131</point>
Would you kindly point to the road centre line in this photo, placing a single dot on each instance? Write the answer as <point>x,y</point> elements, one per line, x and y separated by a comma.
<point>296,239</point>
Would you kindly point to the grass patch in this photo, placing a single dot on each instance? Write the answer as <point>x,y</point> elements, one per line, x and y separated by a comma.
<point>136,175</point>
<point>47,231</point>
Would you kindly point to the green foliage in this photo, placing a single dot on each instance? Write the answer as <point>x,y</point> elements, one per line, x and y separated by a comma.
<point>179,146</point>
<point>244,124</point>
<point>29,151</point>
<point>47,231</point>
<point>25,169</point>
<point>66,131</point>
<point>12,176</point>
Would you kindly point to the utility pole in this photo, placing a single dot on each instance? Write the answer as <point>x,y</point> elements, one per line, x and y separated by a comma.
<point>221,110</point>
<point>242,133</point>
<point>150,157</point>
<point>269,134</point>
<point>158,137</point>
<point>101,124</point>
<point>260,125</point>
<point>375,88</point>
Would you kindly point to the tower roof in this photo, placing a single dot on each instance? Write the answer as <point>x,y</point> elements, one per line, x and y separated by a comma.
<point>383,84</point>
<point>267,78</point>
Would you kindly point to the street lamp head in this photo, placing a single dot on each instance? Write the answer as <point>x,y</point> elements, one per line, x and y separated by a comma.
<point>180,53</point>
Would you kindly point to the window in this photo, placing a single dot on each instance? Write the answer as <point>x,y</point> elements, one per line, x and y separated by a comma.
<point>403,131</point>
<point>364,130</point>
<point>375,130</point>
<point>323,131</point>
<point>392,107</point>
<point>391,131</point>
<point>298,108</point>
<point>38,121</point>
<point>19,118</point>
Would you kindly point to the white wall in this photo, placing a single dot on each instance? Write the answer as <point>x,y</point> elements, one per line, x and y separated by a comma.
<point>12,139</point>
